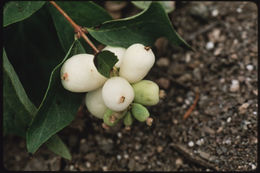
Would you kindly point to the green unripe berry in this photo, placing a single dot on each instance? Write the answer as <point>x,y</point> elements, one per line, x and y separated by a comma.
<point>146,92</point>
<point>111,117</point>
<point>140,112</point>
<point>128,120</point>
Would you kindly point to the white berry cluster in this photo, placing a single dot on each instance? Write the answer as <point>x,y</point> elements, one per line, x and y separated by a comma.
<point>120,97</point>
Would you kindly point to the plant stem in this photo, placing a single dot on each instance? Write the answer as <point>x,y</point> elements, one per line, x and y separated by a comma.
<point>79,30</point>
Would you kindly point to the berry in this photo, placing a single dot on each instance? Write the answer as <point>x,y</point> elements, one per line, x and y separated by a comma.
<point>95,104</point>
<point>117,94</point>
<point>128,120</point>
<point>140,112</point>
<point>111,117</point>
<point>79,74</point>
<point>137,62</point>
<point>146,92</point>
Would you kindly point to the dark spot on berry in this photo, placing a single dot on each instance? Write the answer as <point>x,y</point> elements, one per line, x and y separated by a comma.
<point>65,76</point>
<point>147,48</point>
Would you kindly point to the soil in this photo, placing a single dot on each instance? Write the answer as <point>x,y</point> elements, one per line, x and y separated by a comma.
<point>220,133</point>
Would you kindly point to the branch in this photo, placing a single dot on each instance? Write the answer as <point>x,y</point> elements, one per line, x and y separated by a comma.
<point>79,30</point>
<point>188,154</point>
<point>189,111</point>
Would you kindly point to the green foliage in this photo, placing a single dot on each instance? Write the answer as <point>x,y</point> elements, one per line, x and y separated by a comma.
<point>33,49</point>
<point>16,11</point>
<point>36,45</point>
<point>144,28</point>
<point>57,109</point>
<point>105,61</point>
<point>56,145</point>
<point>19,110</point>
<point>84,13</point>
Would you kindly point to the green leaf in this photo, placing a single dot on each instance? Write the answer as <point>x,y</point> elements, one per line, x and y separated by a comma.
<point>83,13</point>
<point>57,109</point>
<point>16,11</point>
<point>33,48</point>
<point>144,28</point>
<point>56,145</point>
<point>105,61</point>
<point>167,5</point>
<point>18,109</point>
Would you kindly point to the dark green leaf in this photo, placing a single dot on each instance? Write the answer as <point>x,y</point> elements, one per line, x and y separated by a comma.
<point>57,109</point>
<point>144,28</point>
<point>105,61</point>
<point>83,13</point>
<point>33,49</point>
<point>16,11</point>
<point>167,5</point>
<point>18,109</point>
<point>56,145</point>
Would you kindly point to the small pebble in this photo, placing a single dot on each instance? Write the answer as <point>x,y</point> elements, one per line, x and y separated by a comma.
<point>253,166</point>
<point>187,58</point>
<point>175,121</point>
<point>234,86</point>
<point>187,102</point>
<point>228,142</point>
<point>209,45</point>
<point>119,135</point>
<point>249,67</point>
<point>191,144</point>
<point>104,168</point>
<point>126,156</point>
<point>200,142</point>
<point>163,82</point>
<point>243,108</point>
<point>88,165</point>
<point>215,12</point>
<point>159,149</point>
<point>239,10</point>
<point>233,56</point>
<point>178,162</point>
<point>137,146</point>
<point>179,99</point>
<point>137,158</point>
<point>163,62</point>
<point>255,113</point>
<point>222,80</point>
<point>162,94</point>
<point>158,163</point>
<point>119,157</point>
<point>71,167</point>
<point>229,120</point>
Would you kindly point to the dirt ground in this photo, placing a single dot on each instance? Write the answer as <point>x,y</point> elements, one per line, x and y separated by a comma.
<point>221,132</point>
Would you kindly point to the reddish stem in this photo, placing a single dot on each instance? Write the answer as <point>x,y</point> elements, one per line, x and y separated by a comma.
<point>79,30</point>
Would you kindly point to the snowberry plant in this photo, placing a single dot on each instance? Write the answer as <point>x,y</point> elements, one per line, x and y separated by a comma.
<point>42,92</point>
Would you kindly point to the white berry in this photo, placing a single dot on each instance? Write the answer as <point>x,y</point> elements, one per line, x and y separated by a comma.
<point>95,104</point>
<point>117,93</point>
<point>79,74</point>
<point>137,62</point>
<point>118,51</point>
